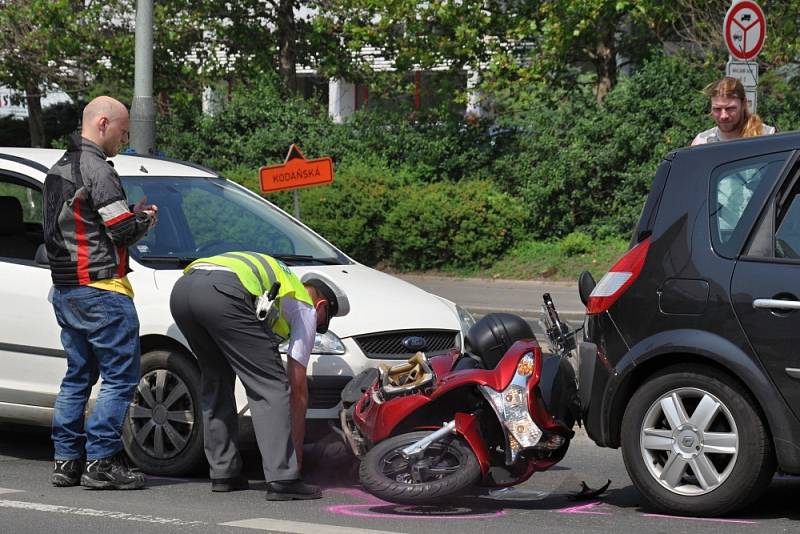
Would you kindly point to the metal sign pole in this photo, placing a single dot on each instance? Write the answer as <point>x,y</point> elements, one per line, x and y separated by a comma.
<point>296,195</point>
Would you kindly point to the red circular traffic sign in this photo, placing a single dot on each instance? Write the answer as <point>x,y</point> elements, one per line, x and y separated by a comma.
<point>744,29</point>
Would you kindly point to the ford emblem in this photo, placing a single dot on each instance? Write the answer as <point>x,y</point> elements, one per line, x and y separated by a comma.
<point>414,343</point>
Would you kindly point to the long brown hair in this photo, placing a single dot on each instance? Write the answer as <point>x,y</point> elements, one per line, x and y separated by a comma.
<point>727,87</point>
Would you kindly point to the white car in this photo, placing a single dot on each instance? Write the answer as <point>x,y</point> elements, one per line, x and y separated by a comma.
<point>200,214</point>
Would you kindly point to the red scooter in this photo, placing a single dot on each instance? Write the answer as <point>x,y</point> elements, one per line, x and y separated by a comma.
<point>493,414</point>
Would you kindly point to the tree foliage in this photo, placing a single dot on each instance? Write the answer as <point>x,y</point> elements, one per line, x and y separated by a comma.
<point>52,43</point>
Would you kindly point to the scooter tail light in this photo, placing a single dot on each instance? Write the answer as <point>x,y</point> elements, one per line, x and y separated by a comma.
<point>618,279</point>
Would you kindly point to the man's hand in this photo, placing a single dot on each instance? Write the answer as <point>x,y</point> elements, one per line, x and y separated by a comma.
<point>150,209</point>
<point>298,403</point>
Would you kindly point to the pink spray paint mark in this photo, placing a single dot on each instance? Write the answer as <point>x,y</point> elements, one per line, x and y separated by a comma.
<point>587,509</point>
<point>357,510</point>
<point>709,519</point>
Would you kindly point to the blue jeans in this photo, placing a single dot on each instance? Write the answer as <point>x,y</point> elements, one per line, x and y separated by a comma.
<point>100,334</point>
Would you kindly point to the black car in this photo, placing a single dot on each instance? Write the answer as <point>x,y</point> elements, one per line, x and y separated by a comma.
<point>691,354</point>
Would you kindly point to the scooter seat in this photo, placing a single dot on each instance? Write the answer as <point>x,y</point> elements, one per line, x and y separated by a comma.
<point>468,361</point>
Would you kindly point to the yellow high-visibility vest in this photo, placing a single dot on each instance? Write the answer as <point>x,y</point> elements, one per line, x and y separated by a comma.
<point>257,273</point>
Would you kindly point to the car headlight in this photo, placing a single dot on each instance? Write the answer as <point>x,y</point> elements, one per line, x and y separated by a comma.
<point>511,407</point>
<point>327,343</point>
<point>465,318</point>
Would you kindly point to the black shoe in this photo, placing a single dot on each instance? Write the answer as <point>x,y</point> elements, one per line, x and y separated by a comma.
<point>287,490</point>
<point>229,484</point>
<point>112,473</point>
<point>67,473</point>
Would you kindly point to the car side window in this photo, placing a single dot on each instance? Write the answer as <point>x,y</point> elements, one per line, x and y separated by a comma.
<point>738,191</point>
<point>787,235</point>
<point>21,230</point>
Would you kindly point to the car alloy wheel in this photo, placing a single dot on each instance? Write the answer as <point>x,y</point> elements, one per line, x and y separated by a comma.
<point>695,443</point>
<point>689,441</point>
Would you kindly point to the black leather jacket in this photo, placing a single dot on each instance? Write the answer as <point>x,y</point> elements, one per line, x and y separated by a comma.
<point>88,224</point>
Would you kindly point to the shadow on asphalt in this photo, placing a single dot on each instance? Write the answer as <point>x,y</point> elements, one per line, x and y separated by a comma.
<point>25,442</point>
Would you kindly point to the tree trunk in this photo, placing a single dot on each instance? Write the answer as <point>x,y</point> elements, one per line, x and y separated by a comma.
<point>287,36</point>
<point>605,62</point>
<point>605,53</point>
<point>35,125</point>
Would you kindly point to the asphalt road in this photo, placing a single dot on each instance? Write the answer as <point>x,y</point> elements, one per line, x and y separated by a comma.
<point>29,504</point>
<point>521,297</point>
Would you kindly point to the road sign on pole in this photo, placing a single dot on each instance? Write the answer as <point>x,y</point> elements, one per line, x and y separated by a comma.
<point>745,28</point>
<point>744,31</point>
<point>744,71</point>
<point>296,171</point>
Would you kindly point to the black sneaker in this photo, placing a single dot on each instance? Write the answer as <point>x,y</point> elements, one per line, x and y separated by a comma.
<point>229,484</point>
<point>112,473</point>
<point>67,473</point>
<point>288,490</point>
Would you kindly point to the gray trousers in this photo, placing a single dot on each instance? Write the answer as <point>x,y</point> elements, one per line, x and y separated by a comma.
<point>217,316</point>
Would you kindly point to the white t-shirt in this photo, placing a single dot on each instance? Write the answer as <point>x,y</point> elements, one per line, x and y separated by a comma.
<point>302,321</point>
<point>713,135</point>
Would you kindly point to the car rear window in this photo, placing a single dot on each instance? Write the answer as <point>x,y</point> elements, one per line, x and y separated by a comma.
<point>737,192</point>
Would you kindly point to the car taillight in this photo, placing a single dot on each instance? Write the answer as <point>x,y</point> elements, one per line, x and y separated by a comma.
<point>618,279</point>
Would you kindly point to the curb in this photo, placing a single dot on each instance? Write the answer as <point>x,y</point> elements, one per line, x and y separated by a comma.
<point>527,313</point>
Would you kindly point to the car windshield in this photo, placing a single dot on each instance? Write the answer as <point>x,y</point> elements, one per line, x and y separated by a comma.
<point>200,217</point>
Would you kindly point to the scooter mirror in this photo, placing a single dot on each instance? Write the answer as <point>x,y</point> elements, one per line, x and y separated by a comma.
<point>586,284</point>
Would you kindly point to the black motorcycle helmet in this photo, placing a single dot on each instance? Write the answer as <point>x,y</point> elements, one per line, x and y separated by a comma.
<point>493,335</point>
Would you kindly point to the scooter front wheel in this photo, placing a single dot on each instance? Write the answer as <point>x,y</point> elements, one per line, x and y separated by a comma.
<point>447,467</point>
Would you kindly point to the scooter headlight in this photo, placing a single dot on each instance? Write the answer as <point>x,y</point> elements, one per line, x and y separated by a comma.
<point>511,407</point>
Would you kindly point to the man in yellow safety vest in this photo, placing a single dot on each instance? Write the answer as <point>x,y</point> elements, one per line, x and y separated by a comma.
<point>235,309</point>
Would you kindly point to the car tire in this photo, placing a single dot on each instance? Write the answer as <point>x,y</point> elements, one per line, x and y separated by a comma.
<point>694,444</point>
<point>457,457</point>
<point>163,430</point>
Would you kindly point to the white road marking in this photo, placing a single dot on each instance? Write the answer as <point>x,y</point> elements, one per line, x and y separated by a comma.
<point>295,527</point>
<point>8,490</point>
<point>41,507</point>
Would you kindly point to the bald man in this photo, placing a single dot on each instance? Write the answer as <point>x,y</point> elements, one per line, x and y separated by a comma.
<point>88,228</point>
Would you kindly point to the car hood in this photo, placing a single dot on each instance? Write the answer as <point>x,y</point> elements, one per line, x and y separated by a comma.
<point>378,302</point>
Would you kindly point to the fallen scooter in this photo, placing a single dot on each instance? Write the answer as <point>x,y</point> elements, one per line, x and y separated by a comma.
<point>492,415</point>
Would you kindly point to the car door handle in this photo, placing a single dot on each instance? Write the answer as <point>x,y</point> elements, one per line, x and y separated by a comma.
<point>775,304</point>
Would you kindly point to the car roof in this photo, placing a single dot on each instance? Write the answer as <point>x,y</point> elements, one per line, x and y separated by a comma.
<point>125,164</point>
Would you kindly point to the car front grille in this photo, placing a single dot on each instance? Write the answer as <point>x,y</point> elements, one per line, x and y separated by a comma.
<point>389,345</point>
<point>324,398</point>
<point>325,392</point>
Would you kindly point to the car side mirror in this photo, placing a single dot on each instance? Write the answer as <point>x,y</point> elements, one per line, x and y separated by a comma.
<point>41,256</point>
<point>586,284</point>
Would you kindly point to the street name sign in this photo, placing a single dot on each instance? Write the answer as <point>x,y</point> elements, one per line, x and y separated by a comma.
<point>295,172</point>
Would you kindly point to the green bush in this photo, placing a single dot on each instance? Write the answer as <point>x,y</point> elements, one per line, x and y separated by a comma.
<point>446,224</point>
<point>260,122</point>
<point>576,243</point>
<point>255,128</point>
<point>350,211</point>
<point>580,166</point>
<point>440,146</point>
<point>429,191</point>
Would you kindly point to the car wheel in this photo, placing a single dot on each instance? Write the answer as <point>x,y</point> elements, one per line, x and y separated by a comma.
<point>163,432</point>
<point>693,443</point>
